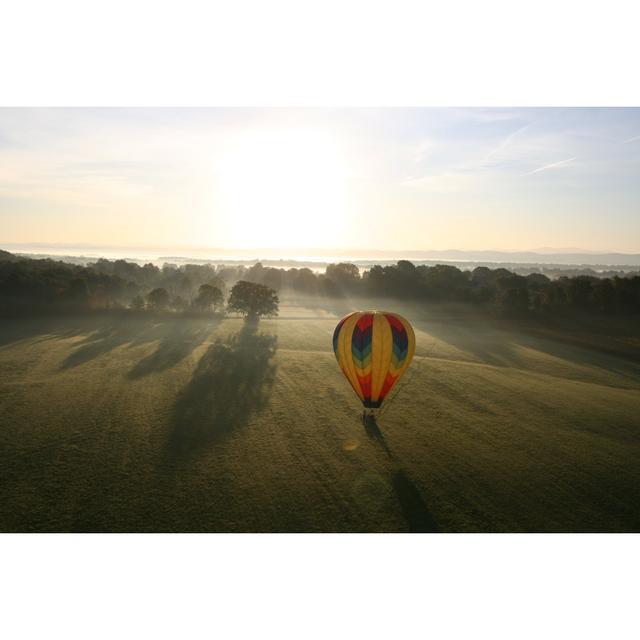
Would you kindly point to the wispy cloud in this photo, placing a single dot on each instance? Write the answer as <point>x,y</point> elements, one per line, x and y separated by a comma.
<point>631,139</point>
<point>553,165</point>
<point>506,142</point>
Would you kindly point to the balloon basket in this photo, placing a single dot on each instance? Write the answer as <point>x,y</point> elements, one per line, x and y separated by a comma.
<point>369,416</point>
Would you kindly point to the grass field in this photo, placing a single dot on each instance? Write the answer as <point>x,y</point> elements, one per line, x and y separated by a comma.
<point>176,424</point>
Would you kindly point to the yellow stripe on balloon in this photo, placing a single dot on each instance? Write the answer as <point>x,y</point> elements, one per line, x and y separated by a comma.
<point>344,350</point>
<point>381,343</point>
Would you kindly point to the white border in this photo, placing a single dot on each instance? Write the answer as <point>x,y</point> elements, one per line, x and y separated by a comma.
<point>312,53</point>
<point>319,586</point>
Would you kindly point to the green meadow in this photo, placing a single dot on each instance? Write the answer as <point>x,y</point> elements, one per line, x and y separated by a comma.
<point>166,423</point>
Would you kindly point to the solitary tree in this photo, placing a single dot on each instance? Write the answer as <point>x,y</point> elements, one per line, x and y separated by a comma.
<point>253,300</point>
<point>158,299</point>
<point>208,297</point>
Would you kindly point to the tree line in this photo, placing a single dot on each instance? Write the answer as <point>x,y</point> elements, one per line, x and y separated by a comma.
<point>33,286</point>
<point>50,286</point>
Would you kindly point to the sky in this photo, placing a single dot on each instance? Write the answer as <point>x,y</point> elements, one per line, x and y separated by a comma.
<point>508,179</point>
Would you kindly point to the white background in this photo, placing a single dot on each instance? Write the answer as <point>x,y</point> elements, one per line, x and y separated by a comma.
<point>319,586</point>
<point>326,53</point>
<point>283,53</point>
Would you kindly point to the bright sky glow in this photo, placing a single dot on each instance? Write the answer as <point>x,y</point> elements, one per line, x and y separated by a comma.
<point>276,185</point>
<point>393,179</point>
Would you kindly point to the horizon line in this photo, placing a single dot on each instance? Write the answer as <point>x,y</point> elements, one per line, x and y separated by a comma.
<point>323,251</point>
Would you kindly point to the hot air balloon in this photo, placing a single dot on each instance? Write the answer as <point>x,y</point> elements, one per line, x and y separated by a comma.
<point>373,349</point>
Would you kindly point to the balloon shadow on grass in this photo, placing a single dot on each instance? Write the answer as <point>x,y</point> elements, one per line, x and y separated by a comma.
<point>373,433</point>
<point>232,380</point>
<point>414,509</point>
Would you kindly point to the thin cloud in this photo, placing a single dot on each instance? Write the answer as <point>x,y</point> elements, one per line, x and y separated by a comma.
<point>506,142</point>
<point>553,165</point>
<point>631,140</point>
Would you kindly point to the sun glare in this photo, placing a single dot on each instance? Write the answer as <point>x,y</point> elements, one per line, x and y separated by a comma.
<point>282,188</point>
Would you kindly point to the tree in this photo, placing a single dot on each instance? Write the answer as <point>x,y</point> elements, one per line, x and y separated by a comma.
<point>186,287</point>
<point>483,284</point>
<point>208,297</point>
<point>217,283</point>
<point>344,274</point>
<point>579,290</point>
<point>137,303</point>
<point>304,280</point>
<point>446,282</point>
<point>255,273</point>
<point>178,303</point>
<point>150,272</point>
<point>511,292</point>
<point>513,298</point>
<point>376,280</point>
<point>604,296</point>
<point>272,278</point>
<point>253,300</point>
<point>158,299</point>
<point>78,292</point>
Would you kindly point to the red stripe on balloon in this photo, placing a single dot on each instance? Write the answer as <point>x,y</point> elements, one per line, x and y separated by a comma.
<point>365,321</point>
<point>394,322</point>
<point>365,386</point>
<point>388,383</point>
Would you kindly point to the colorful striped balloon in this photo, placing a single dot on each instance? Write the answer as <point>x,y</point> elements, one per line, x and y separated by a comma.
<point>373,349</point>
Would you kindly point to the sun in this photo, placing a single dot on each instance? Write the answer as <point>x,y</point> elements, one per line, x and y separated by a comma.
<point>282,188</point>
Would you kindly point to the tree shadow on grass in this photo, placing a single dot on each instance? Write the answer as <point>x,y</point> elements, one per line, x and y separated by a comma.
<point>176,337</point>
<point>106,339</point>
<point>232,381</point>
<point>40,329</point>
<point>175,344</point>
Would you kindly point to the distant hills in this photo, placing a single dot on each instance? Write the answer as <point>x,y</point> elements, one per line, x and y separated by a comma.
<point>528,257</point>
<point>544,256</point>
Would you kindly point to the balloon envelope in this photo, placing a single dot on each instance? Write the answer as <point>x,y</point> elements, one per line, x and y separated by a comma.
<point>373,349</point>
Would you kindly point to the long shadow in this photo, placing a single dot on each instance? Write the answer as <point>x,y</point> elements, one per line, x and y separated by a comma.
<point>484,343</point>
<point>177,342</point>
<point>599,352</point>
<point>12,330</point>
<point>232,381</point>
<point>44,328</point>
<point>497,343</point>
<point>106,339</point>
<point>414,508</point>
<point>176,338</point>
